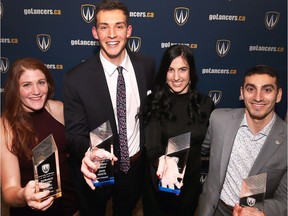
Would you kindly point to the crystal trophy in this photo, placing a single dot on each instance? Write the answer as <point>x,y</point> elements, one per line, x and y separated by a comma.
<point>46,166</point>
<point>178,150</point>
<point>253,191</point>
<point>102,138</point>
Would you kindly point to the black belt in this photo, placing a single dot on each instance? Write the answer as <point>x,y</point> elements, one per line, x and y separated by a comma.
<point>230,208</point>
<point>135,157</point>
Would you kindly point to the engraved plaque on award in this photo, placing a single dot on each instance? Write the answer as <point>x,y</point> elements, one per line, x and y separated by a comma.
<point>102,138</point>
<point>177,151</point>
<point>46,166</point>
<point>253,191</point>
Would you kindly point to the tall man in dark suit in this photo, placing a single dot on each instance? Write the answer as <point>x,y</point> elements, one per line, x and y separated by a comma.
<point>247,142</point>
<point>90,100</point>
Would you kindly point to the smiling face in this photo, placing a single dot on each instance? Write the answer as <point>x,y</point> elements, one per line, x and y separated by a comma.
<point>112,32</point>
<point>33,90</point>
<point>178,75</point>
<point>260,95</point>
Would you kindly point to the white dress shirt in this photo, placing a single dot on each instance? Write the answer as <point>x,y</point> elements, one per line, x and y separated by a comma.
<point>132,98</point>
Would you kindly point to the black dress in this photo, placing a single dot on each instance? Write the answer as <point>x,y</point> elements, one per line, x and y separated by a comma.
<point>44,125</point>
<point>157,134</point>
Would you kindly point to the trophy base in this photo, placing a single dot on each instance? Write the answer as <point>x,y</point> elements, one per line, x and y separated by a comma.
<point>169,190</point>
<point>254,200</point>
<point>102,183</point>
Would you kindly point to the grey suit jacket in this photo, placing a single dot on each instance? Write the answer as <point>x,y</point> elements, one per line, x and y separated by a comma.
<point>272,159</point>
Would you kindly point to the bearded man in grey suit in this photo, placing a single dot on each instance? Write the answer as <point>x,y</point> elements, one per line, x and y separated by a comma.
<point>247,142</point>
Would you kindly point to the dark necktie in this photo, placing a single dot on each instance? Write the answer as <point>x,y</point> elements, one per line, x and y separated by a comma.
<point>121,116</point>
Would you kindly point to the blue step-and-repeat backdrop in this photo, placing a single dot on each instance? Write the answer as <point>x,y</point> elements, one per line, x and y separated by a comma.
<point>226,36</point>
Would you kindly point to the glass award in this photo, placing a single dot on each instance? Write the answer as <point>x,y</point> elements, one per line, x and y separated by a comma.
<point>178,149</point>
<point>253,191</point>
<point>46,166</point>
<point>102,138</point>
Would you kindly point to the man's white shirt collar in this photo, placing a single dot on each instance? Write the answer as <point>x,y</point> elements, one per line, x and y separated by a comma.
<point>110,68</point>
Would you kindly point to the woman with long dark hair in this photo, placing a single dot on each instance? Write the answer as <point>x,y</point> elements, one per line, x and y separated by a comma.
<point>174,107</point>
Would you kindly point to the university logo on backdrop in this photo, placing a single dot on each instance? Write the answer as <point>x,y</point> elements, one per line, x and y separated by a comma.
<point>181,15</point>
<point>271,19</point>
<point>223,47</point>
<point>4,65</point>
<point>203,177</point>
<point>134,44</point>
<point>87,12</point>
<point>43,41</point>
<point>216,96</point>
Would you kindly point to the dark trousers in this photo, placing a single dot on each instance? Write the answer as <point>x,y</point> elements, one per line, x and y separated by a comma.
<point>158,203</point>
<point>125,193</point>
<point>222,210</point>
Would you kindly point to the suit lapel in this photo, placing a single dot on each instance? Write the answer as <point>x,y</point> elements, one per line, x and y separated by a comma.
<point>272,143</point>
<point>102,90</point>
<point>140,76</point>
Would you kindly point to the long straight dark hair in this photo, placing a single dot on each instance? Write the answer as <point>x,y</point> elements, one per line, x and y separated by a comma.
<point>159,102</point>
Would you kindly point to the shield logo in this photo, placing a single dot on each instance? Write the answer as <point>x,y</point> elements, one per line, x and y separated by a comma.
<point>4,65</point>
<point>251,201</point>
<point>223,47</point>
<point>203,177</point>
<point>45,168</point>
<point>271,19</point>
<point>87,12</point>
<point>181,15</point>
<point>216,96</point>
<point>43,41</point>
<point>134,44</point>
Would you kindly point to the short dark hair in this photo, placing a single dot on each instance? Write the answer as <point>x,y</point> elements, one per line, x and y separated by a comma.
<point>107,5</point>
<point>263,69</point>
